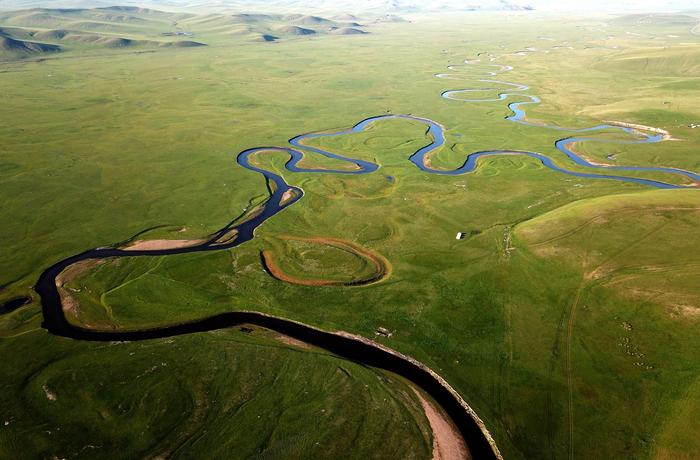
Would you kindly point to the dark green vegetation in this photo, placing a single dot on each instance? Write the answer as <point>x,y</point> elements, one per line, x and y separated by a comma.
<point>566,337</point>
<point>200,393</point>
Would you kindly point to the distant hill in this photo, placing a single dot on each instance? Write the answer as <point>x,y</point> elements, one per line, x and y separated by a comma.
<point>247,17</point>
<point>390,18</point>
<point>267,27</point>
<point>263,38</point>
<point>17,33</point>
<point>182,44</point>
<point>308,20</point>
<point>655,19</point>
<point>127,26</point>
<point>346,17</point>
<point>21,47</point>
<point>294,30</point>
<point>348,31</point>
<point>119,42</point>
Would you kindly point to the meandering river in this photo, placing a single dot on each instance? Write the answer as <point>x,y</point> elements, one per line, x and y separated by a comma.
<point>355,348</point>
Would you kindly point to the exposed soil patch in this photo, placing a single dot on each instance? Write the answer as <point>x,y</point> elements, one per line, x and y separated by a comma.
<point>448,444</point>
<point>288,195</point>
<point>687,311</point>
<point>226,238</point>
<point>292,341</point>
<point>72,272</point>
<point>666,135</point>
<point>70,304</point>
<point>150,245</point>
<point>50,395</point>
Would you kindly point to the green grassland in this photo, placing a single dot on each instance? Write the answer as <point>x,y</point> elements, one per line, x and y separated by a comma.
<point>201,393</point>
<point>567,318</point>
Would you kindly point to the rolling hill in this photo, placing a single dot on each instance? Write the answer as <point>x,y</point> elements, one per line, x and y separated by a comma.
<point>12,46</point>
<point>41,30</point>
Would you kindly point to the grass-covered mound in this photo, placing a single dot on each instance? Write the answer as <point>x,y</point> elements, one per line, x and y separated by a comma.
<point>322,261</point>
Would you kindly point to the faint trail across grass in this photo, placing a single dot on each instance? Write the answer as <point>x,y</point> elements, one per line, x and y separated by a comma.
<point>569,379</point>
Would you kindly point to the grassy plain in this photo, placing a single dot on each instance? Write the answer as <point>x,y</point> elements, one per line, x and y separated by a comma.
<point>99,146</point>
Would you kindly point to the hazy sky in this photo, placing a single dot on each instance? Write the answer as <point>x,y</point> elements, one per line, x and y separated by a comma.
<point>640,5</point>
<point>577,5</point>
<point>541,5</point>
<point>381,5</point>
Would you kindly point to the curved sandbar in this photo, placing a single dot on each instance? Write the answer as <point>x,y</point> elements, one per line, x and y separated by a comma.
<point>447,443</point>
<point>160,244</point>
